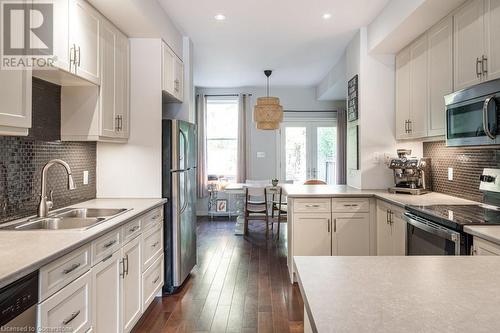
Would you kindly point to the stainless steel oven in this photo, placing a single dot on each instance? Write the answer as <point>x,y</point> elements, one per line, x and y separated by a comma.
<point>472,115</point>
<point>424,237</point>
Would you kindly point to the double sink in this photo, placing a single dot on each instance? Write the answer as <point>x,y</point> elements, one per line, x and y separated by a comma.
<point>68,218</point>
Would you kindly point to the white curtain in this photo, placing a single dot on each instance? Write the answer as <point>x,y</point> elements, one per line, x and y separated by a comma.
<point>243,108</point>
<point>201,122</point>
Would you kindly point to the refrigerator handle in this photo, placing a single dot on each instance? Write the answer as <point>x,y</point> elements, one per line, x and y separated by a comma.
<point>185,203</point>
<point>186,165</point>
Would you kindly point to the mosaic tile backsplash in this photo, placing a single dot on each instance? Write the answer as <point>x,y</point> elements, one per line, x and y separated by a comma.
<point>467,164</point>
<point>22,160</point>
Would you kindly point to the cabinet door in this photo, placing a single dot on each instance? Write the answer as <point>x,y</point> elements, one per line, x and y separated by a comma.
<point>402,93</point>
<point>122,95</point>
<point>482,247</point>
<point>418,88</point>
<point>440,73</point>
<point>168,71</point>
<point>468,32</point>
<point>106,294</point>
<point>108,121</point>
<point>384,231</point>
<point>84,36</point>
<point>492,45</point>
<point>312,234</point>
<point>179,79</point>
<point>131,292</point>
<point>15,106</point>
<point>398,232</point>
<point>351,234</point>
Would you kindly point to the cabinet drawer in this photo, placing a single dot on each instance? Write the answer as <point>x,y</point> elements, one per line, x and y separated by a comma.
<point>152,281</point>
<point>105,245</point>
<point>152,245</point>
<point>152,218</point>
<point>347,205</point>
<point>62,271</point>
<point>320,205</point>
<point>131,230</point>
<point>69,309</point>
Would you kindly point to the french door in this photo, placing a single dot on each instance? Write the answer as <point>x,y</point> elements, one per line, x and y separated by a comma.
<point>308,150</point>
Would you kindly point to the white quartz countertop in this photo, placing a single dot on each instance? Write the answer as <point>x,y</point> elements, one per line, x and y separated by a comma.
<point>401,294</point>
<point>318,191</point>
<point>489,232</point>
<point>23,252</point>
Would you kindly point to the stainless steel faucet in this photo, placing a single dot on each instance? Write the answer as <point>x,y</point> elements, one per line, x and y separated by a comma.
<point>45,205</point>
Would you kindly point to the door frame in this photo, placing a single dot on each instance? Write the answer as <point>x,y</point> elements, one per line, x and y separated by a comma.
<point>301,119</point>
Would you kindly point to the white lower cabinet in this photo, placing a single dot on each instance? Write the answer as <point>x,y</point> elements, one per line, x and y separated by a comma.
<point>107,290</point>
<point>351,234</point>
<point>111,295</point>
<point>68,310</point>
<point>312,234</point>
<point>131,291</point>
<point>391,230</point>
<point>483,247</point>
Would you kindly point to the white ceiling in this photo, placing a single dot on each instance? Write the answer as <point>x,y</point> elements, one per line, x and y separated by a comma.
<point>287,36</point>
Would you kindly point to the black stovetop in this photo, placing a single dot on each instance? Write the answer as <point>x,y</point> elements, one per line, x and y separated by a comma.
<point>456,216</point>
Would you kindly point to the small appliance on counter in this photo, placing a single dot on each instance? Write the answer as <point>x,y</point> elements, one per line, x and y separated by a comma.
<point>438,229</point>
<point>411,174</point>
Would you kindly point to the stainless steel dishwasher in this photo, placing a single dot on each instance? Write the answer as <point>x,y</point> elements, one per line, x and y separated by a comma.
<point>18,305</point>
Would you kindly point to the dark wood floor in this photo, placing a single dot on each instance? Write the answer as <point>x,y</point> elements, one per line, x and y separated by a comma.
<point>241,284</point>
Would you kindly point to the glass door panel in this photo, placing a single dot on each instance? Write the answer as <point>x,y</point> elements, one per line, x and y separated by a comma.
<point>326,154</point>
<point>295,154</point>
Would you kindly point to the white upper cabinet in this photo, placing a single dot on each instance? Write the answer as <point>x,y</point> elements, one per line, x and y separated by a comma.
<point>440,74</point>
<point>402,93</point>
<point>84,38</point>
<point>492,35</point>
<point>15,105</point>
<point>417,126</point>
<point>61,34</point>
<point>476,48</point>
<point>109,122</point>
<point>468,30</point>
<point>172,74</point>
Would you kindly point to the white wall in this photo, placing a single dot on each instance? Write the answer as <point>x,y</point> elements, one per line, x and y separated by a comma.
<point>134,169</point>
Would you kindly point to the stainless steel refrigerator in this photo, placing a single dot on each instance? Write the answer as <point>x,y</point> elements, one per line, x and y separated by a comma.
<point>179,187</point>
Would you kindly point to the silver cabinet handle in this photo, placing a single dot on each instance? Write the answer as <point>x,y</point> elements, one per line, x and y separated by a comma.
<point>391,214</point>
<point>334,225</point>
<point>107,258</point>
<point>484,65</point>
<point>486,120</point>
<point>473,251</point>
<point>155,244</point>
<point>328,224</point>
<point>134,228</point>
<point>122,273</point>
<point>387,216</point>
<point>79,58</point>
<point>72,56</point>
<point>156,280</point>
<point>72,268</point>
<point>410,126</point>
<point>478,67</point>
<point>156,217</point>
<point>313,206</point>
<point>126,264</point>
<point>109,244</point>
<point>71,318</point>
<point>117,123</point>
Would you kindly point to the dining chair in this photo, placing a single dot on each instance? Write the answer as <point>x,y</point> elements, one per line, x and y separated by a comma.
<point>281,206</point>
<point>256,206</point>
<point>314,182</point>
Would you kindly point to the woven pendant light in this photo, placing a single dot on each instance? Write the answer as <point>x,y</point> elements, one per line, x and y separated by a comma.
<point>268,113</point>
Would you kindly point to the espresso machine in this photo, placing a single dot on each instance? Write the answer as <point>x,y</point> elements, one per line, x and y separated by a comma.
<point>411,174</point>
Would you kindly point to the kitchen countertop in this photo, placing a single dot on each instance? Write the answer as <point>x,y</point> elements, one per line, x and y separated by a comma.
<point>401,294</point>
<point>332,191</point>
<point>23,252</point>
<point>488,232</point>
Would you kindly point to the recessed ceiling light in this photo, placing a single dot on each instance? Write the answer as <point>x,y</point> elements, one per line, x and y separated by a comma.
<point>327,16</point>
<point>220,17</point>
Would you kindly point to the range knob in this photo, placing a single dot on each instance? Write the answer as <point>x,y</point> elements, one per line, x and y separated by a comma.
<point>487,179</point>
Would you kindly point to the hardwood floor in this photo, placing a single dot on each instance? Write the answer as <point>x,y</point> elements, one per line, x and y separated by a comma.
<point>241,284</point>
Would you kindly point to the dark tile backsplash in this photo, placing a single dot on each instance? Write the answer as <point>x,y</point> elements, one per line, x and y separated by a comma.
<point>22,159</point>
<point>467,164</point>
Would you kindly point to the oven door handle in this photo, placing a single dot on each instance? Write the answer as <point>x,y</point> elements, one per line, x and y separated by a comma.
<point>486,119</point>
<point>432,228</point>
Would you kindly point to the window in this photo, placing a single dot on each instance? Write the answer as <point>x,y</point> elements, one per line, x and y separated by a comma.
<point>222,137</point>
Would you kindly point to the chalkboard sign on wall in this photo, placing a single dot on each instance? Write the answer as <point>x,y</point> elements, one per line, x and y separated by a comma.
<point>352,99</point>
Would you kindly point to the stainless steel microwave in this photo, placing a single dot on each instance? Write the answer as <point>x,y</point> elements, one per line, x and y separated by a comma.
<point>472,115</point>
